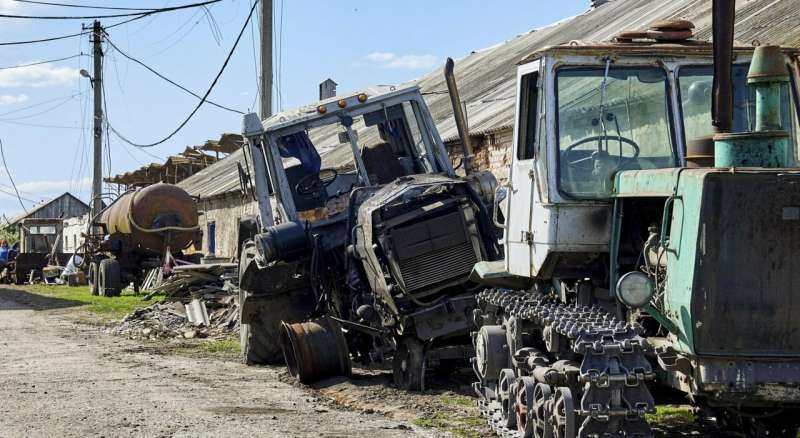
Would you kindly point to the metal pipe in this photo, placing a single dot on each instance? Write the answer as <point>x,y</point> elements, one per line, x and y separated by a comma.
<point>458,113</point>
<point>724,14</point>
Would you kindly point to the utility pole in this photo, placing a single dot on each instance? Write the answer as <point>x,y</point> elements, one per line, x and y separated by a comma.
<point>266,58</point>
<point>97,85</point>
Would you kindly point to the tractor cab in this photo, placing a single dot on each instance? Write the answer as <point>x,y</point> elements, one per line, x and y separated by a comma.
<point>585,112</point>
<point>317,154</point>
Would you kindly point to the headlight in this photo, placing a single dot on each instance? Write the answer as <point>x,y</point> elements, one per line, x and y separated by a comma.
<point>635,289</point>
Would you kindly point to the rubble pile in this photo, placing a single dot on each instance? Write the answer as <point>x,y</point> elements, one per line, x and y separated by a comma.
<point>200,301</point>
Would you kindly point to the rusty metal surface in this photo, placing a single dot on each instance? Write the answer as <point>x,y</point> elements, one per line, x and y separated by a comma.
<point>315,350</point>
<point>156,206</point>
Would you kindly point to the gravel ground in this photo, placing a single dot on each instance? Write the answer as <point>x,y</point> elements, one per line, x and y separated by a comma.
<point>63,378</point>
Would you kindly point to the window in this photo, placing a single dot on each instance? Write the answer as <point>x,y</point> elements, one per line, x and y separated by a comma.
<point>528,114</point>
<point>42,229</point>
<point>695,84</point>
<point>624,126</point>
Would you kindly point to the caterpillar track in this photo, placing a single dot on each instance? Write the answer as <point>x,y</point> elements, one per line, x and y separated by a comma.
<point>575,371</point>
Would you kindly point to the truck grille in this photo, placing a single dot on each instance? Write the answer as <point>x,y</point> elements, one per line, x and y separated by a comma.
<point>435,251</point>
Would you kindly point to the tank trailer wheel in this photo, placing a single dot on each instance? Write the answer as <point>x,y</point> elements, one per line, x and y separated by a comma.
<point>409,365</point>
<point>93,283</point>
<point>524,404</point>
<point>109,278</point>
<point>506,393</point>
<point>563,415</point>
<point>538,416</point>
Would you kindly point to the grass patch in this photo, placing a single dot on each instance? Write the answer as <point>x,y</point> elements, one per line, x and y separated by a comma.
<point>111,307</point>
<point>671,416</point>
<point>221,346</point>
<point>458,400</point>
<point>461,427</point>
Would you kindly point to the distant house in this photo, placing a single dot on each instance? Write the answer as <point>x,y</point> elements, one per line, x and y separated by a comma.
<point>41,228</point>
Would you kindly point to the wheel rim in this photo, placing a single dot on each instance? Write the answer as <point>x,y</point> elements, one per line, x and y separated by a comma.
<point>523,404</point>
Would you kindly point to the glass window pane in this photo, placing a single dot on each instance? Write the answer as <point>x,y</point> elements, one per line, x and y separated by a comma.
<point>625,127</point>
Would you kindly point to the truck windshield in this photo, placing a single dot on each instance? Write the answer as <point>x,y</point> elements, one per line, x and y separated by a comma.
<point>610,123</point>
<point>695,83</point>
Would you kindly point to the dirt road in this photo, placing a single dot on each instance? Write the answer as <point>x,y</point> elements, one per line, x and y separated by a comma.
<point>60,378</point>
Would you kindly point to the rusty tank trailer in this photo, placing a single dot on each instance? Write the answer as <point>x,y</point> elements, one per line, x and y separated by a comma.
<point>140,230</point>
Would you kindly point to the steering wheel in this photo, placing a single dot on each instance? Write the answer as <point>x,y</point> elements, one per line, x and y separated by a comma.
<point>607,138</point>
<point>312,183</point>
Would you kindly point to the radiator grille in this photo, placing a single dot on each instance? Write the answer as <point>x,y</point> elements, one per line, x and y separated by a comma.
<point>433,251</point>
<point>438,266</point>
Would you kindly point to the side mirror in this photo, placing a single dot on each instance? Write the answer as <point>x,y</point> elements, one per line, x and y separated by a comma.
<point>500,194</point>
<point>635,289</point>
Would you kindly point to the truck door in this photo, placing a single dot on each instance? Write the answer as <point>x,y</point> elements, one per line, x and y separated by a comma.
<point>519,236</point>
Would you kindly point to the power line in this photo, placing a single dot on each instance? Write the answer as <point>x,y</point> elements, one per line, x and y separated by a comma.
<point>152,70</point>
<point>205,96</point>
<point>40,104</point>
<point>42,62</point>
<point>108,8</point>
<point>97,17</point>
<point>108,128</point>
<point>52,108</point>
<point>8,172</point>
<point>73,35</point>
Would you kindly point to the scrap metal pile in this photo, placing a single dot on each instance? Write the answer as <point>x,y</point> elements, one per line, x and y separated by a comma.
<point>200,301</point>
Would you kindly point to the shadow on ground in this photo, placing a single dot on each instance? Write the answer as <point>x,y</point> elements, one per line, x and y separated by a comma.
<point>458,382</point>
<point>15,299</point>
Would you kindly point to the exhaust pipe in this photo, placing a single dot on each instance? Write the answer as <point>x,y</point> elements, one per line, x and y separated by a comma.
<point>724,13</point>
<point>458,113</point>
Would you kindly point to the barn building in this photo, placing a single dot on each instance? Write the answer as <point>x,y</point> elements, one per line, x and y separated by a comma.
<point>41,228</point>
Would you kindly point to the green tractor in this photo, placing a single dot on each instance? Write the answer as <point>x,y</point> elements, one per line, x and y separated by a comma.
<point>649,240</point>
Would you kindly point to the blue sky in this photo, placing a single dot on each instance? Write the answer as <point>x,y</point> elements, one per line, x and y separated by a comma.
<point>45,110</point>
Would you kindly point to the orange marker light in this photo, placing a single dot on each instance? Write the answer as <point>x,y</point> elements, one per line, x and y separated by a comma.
<point>342,103</point>
<point>322,109</point>
<point>362,97</point>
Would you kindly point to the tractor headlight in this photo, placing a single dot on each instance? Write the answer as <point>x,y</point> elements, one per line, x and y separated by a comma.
<point>635,289</point>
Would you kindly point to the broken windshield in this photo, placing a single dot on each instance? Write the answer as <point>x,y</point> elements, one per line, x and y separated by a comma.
<point>608,123</point>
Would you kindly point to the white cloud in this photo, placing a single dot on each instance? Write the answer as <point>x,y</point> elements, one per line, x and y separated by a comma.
<point>10,99</point>
<point>47,188</point>
<point>395,61</point>
<point>7,6</point>
<point>42,75</point>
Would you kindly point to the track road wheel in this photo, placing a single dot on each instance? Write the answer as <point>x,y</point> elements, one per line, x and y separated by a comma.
<point>523,404</point>
<point>409,365</point>
<point>109,278</point>
<point>538,416</point>
<point>563,414</point>
<point>506,388</point>
<point>93,283</point>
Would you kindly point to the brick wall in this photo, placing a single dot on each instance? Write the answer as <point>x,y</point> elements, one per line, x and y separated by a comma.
<point>492,152</point>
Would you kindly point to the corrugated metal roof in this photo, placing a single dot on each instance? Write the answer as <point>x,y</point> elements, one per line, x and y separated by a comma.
<point>487,77</point>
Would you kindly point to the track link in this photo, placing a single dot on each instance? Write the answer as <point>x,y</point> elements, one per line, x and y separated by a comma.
<point>610,397</point>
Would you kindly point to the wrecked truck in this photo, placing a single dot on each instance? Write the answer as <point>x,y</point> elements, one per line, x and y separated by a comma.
<point>365,240</point>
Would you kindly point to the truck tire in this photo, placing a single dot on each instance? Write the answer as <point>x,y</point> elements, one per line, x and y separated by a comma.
<point>261,310</point>
<point>408,365</point>
<point>93,279</point>
<point>109,278</point>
